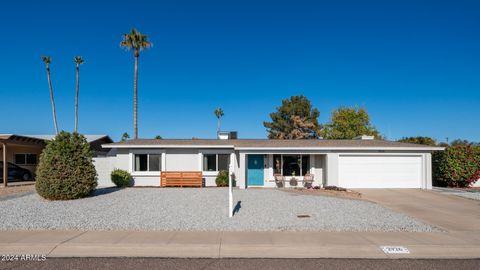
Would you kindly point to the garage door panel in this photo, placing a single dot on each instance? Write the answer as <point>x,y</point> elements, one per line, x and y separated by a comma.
<point>380,171</point>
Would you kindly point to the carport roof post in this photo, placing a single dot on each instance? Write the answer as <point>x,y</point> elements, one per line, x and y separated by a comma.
<point>5,164</point>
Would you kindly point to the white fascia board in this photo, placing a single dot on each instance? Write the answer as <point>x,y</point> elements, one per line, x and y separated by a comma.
<point>342,148</point>
<point>167,146</point>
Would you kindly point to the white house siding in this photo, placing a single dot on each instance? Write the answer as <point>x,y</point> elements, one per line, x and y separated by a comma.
<point>326,165</point>
<point>104,166</point>
<point>182,160</point>
<point>318,169</point>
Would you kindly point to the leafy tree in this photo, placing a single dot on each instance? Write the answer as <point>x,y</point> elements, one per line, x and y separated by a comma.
<point>294,119</point>
<point>348,123</point>
<point>138,42</point>
<point>459,142</point>
<point>47,60</point>
<point>78,60</point>
<point>419,140</point>
<point>125,136</point>
<point>218,113</point>
<point>65,170</point>
<point>158,137</point>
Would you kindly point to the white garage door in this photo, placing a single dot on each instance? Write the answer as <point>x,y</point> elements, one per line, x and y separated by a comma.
<point>365,171</point>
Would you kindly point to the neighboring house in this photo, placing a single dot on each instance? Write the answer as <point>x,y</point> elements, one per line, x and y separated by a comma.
<point>25,150</point>
<point>360,163</point>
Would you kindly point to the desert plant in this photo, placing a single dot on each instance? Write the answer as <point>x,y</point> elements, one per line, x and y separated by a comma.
<point>457,166</point>
<point>121,178</point>
<point>65,170</point>
<point>222,179</point>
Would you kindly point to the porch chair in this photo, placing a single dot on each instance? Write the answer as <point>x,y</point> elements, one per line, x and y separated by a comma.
<point>279,180</point>
<point>308,180</point>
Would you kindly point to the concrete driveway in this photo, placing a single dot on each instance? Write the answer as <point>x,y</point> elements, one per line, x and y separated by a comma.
<point>450,213</point>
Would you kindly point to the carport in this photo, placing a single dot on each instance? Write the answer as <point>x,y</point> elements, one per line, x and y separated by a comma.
<point>12,144</point>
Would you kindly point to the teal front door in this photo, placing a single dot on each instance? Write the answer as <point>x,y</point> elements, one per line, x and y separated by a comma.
<point>255,170</point>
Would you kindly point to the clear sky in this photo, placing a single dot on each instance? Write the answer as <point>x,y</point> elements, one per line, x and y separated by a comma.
<point>415,65</point>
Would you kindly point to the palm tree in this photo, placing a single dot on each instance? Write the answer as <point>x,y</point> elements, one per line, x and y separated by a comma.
<point>125,136</point>
<point>138,42</point>
<point>218,113</point>
<point>47,60</point>
<point>78,61</point>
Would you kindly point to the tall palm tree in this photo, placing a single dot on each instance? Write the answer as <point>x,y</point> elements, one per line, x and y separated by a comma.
<point>78,60</point>
<point>137,42</point>
<point>218,113</point>
<point>47,60</point>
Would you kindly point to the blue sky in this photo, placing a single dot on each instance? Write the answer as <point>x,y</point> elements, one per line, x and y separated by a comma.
<point>415,65</point>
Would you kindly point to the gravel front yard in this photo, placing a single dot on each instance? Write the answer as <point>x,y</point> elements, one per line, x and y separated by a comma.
<point>202,210</point>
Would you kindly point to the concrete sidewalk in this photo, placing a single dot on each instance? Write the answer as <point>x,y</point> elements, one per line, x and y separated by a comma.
<point>239,244</point>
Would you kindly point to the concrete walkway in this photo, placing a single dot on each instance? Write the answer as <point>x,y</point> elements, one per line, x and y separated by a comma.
<point>238,244</point>
<point>458,217</point>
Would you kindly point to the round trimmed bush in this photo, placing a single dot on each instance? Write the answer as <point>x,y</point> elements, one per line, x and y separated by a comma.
<point>121,178</point>
<point>456,166</point>
<point>65,170</point>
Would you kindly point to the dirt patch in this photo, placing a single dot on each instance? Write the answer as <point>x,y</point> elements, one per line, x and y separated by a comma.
<point>349,194</point>
<point>16,189</point>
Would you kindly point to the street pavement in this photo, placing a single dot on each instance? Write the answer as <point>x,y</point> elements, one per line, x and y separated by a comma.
<point>240,264</point>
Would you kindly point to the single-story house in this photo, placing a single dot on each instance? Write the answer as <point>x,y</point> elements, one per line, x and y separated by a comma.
<point>359,163</point>
<point>24,150</point>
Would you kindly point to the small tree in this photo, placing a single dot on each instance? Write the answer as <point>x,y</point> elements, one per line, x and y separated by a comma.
<point>348,123</point>
<point>65,170</point>
<point>294,119</point>
<point>158,137</point>
<point>419,140</point>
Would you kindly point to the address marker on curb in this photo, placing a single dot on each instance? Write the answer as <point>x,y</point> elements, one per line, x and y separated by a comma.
<point>395,250</point>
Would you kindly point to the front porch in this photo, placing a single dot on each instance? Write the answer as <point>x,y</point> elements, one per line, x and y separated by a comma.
<point>285,170</point>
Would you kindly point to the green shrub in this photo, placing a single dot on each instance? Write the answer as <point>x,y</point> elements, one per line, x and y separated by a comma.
<point>222,179</point>
<point>65,170</point>
<point>121,178</point>
<point>456,166</point>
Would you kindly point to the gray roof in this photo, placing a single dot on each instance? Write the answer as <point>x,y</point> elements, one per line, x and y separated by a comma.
<point>48,137</point>
<point>265,143</point>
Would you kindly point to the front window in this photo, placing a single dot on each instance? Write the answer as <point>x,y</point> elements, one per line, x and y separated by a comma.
<point>216,162</point>
<point>291,165</point>
<point>26,159</point>
<point>223,162</point>
<point>210,162</point>
<point>148,162</point>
